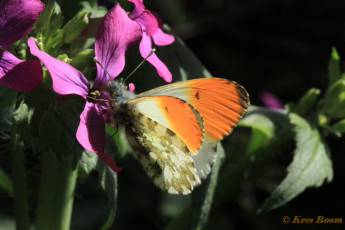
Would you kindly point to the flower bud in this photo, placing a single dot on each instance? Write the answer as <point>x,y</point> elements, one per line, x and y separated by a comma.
<point>308,100</point>
<point>333,103</point>
<point>75,26</point>
<point>339,127</point>
<point>83,59</point>
<point>334,66</point>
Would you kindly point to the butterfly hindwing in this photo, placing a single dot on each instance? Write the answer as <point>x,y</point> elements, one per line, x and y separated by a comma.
<point>165,150</point>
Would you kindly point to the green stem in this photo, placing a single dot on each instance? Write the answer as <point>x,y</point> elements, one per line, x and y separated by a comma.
<point>20,195</point>
<point>55,202</point>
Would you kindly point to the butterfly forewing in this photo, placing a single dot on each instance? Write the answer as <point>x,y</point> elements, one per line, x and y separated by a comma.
<point>220,102</point>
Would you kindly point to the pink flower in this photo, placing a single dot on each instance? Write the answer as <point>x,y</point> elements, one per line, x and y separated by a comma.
<point>16,19</point>
<point>109,51</point>
<point>151,30</point>
<point>131,87</point>
<point>270,100</point>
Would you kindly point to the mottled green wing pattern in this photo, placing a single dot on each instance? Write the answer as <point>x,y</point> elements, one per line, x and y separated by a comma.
<point>165,158</point>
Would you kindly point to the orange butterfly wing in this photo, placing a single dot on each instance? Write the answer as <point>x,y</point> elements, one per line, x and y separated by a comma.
<point>220,102</point>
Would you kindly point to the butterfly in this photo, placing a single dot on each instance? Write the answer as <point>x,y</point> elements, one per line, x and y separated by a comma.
<point>174,129</point>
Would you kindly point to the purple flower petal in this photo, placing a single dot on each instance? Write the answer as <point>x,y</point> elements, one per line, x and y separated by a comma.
<point>109,161</point>
<point>18,74</point>
<point>148,22</point>
<point>145,48</point>
<point>66,79</point>
<point>138,8</point>
<point>162,39</point>
<point>91,133</point>
<point>16,19</point>
<point>115,34</point>
<point>144,17</point>
<point>91,130</point>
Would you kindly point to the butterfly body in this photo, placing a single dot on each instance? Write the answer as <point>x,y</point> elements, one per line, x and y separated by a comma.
<point>174,129</point>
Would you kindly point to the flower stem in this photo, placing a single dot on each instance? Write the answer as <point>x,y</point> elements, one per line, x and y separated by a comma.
<point>20,195</point>
<point>55,202</point>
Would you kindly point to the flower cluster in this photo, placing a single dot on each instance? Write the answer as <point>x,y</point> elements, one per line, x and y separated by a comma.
<point>116,33</point>
<point>16,19</point>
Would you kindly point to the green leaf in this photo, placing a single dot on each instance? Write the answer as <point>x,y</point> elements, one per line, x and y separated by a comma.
<point>44,19</point>
<point>109,221</point>
<point>257,141</point>
<point>88,162</point>
<point>58,132</point>
<point>262,130</point>
<point>6,183</point>
<point>109,185</point>
<point>108,181</point>
<point>334,67</point>
<point>270,128</point>
<point>268,121</point>
<point>265,124</point>
<point>311,165</point>
<point>259,122</point>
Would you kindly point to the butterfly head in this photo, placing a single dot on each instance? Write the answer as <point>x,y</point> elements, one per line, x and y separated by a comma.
<point>118,92</point>
<point>118,96</point>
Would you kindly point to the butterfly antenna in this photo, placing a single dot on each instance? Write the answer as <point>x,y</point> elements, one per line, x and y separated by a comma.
<point>95,60</point>
<point>112,135</point>
<point>140,64</point>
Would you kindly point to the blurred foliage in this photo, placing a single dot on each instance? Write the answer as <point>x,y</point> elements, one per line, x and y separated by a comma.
<point>272,158</point>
